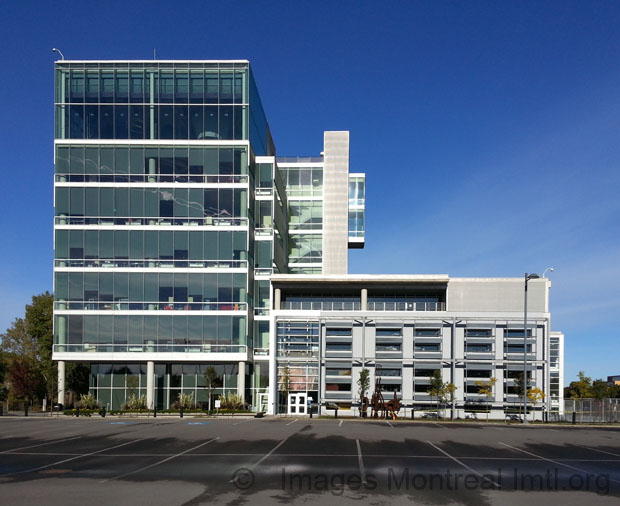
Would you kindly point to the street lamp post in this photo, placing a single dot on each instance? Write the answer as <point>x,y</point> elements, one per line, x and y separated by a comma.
<point>527,278</point>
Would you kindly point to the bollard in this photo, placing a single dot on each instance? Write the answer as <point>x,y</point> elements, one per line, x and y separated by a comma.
<point>336,413</point>
<point>25,409</point>
<point>412,413</point>
<point>1,410</point>
<point>77,412</point>
<point>181,411</point>
<point>154,411</point>
<point>574,417</point>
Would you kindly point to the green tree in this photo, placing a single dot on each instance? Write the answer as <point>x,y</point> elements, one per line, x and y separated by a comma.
<point>3,369</point>
<point>582,388</point>
<point>601,389</point>
<point>40,327</point>
<point>78,376</point>
<point>25,379</point>
<point>212,381</point>
<point>30,340</point>
<point>284,385</point>
<point>437,388</point>
<point>363,382</point>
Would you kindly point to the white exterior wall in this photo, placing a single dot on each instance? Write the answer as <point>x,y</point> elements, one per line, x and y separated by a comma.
<point>336,203</point>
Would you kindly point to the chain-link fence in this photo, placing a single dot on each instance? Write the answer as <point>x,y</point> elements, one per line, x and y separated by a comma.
<point>588,411</point>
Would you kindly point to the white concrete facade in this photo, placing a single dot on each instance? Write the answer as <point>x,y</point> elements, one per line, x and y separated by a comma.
<point>473,333</point>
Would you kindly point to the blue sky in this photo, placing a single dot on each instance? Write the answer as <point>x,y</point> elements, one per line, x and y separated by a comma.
<point>492,128</point>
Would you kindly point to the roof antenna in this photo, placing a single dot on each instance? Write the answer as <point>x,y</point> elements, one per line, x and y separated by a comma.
<point>56,50</point>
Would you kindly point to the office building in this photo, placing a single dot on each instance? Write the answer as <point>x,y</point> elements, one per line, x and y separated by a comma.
<point>405,330</point>
<point>185,245</point>
<point>171,215</point>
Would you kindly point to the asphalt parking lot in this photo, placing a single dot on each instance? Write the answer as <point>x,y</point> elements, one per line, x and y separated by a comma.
<point>193,461</point>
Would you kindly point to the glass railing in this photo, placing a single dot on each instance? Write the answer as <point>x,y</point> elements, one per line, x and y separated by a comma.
<point>305,226</point>
<point>261,352</point>
<point>299,159</point>
<point>132,220</point>
<point>263,231</point>
<point>263,271</point>
<point>115,262</point>
<point>406,306</point>
<point>124,305</point>
<point>154,178</point>
<point>150,348</point>
<point>321,306</point>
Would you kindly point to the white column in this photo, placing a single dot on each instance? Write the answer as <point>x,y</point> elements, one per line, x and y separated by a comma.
<point>241,380</point>
<point>277,295</point>
<point>364,299</point>
<point>61,382</point>
<point>150,377</point>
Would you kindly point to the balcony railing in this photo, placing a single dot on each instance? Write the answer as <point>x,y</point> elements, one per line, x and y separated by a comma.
<point>151,263</point>
<point>321,306</point>
<point>118,305</point>
<point>196,221</point>
<point>150,348</point>
<point>406,306</point>
<point>151,178</point>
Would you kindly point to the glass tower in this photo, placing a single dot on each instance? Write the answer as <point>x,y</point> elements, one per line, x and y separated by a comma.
<point>171,214</point>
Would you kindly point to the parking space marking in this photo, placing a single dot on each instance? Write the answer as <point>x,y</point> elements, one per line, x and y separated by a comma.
<point>600,451</point>
<point>243,421</point>
<point>162,461</point>
<point>439,425</point>
<point>340,424</point>
<point>360,462</point>
<point>72,458</point>
<point>557,462</point>
<point>267,455</point>
<point>389,424</point>
<point>292,422</point>
<point>480,475</point>
<point>42,444</point>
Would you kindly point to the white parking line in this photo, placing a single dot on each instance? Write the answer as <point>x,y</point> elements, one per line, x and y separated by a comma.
<point>485,478</point>
<point>340,424</point>
<point>244,421</point>
<point>601,451</point>
<point>439,425</point>
<point>361,462</point>
<point>42,444</point>
<point>162,461</point>
<point>72,458</point>
<point>262,459</point>
<point>551,460</point>
<point>292,422</point>
<point>389,424</point>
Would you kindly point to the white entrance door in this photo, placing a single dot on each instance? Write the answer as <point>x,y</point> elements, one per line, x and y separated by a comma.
<point>297,403</point>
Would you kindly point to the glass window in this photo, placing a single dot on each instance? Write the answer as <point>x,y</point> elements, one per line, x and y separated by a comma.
<point>106,119</point>
<point>121,122</point>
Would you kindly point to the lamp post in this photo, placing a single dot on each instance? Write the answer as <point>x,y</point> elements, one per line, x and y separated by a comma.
<point>550,269</point>
<point>56,50</point>
<point>527,278</point>
<point>547,345</point>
